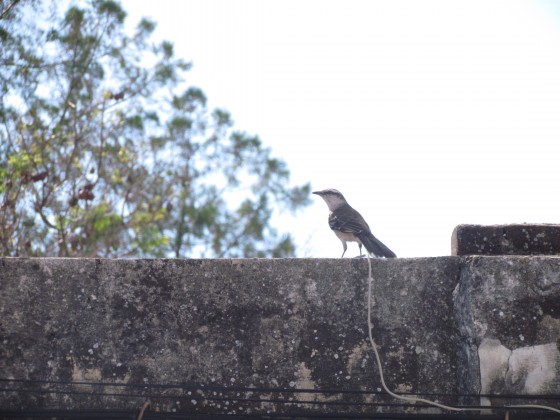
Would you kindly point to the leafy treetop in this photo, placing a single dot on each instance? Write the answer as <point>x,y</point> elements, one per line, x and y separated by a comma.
<point>105,152</point>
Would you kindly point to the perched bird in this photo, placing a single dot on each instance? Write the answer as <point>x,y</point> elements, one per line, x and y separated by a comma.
<point>350,226</point>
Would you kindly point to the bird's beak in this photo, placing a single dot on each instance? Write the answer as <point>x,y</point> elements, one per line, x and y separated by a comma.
<point>316,192</point>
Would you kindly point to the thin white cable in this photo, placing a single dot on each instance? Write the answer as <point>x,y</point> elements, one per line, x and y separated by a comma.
<point>422,400</point>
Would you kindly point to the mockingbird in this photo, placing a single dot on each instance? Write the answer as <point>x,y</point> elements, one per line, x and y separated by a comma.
<point>350,226</point>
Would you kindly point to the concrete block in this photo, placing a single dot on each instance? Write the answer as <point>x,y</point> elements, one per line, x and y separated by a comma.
<point>522,239</point>
<point>508,312</point>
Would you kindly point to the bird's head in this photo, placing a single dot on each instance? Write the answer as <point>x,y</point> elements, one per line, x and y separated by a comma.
<point>332,197</point>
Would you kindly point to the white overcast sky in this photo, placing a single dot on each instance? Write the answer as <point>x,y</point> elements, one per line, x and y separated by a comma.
<point>424,114</point>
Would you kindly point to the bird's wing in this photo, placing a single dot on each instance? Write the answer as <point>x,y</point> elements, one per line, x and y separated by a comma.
<point>343,224</point>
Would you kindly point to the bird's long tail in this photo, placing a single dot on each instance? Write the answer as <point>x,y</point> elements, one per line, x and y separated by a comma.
<point>375,246</point>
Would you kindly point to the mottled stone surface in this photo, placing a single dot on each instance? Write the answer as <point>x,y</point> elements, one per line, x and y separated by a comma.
<point>531,370</point>
<point>226,323</point>
<point>508,310</point>
<point>111,333</point>
<point>522,239</point>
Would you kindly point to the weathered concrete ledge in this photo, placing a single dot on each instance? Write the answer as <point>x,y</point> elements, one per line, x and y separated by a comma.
<point>516,239</point>
<point>117,330</point>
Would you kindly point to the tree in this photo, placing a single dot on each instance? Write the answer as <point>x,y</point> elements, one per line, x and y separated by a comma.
<point>104,151</point>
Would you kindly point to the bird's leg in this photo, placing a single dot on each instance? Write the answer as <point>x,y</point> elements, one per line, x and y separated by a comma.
<point>344,247</point>
<point>361,255</point>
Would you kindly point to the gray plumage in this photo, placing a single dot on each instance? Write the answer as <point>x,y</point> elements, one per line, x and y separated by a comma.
<point>349,225</point>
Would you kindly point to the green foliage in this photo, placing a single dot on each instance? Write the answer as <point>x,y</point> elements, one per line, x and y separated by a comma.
<point>101,155</point>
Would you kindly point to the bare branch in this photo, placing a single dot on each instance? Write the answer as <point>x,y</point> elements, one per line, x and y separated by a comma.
<point>7,9</point>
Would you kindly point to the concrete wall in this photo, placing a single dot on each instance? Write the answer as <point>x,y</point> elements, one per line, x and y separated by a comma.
<point>111,333</point>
